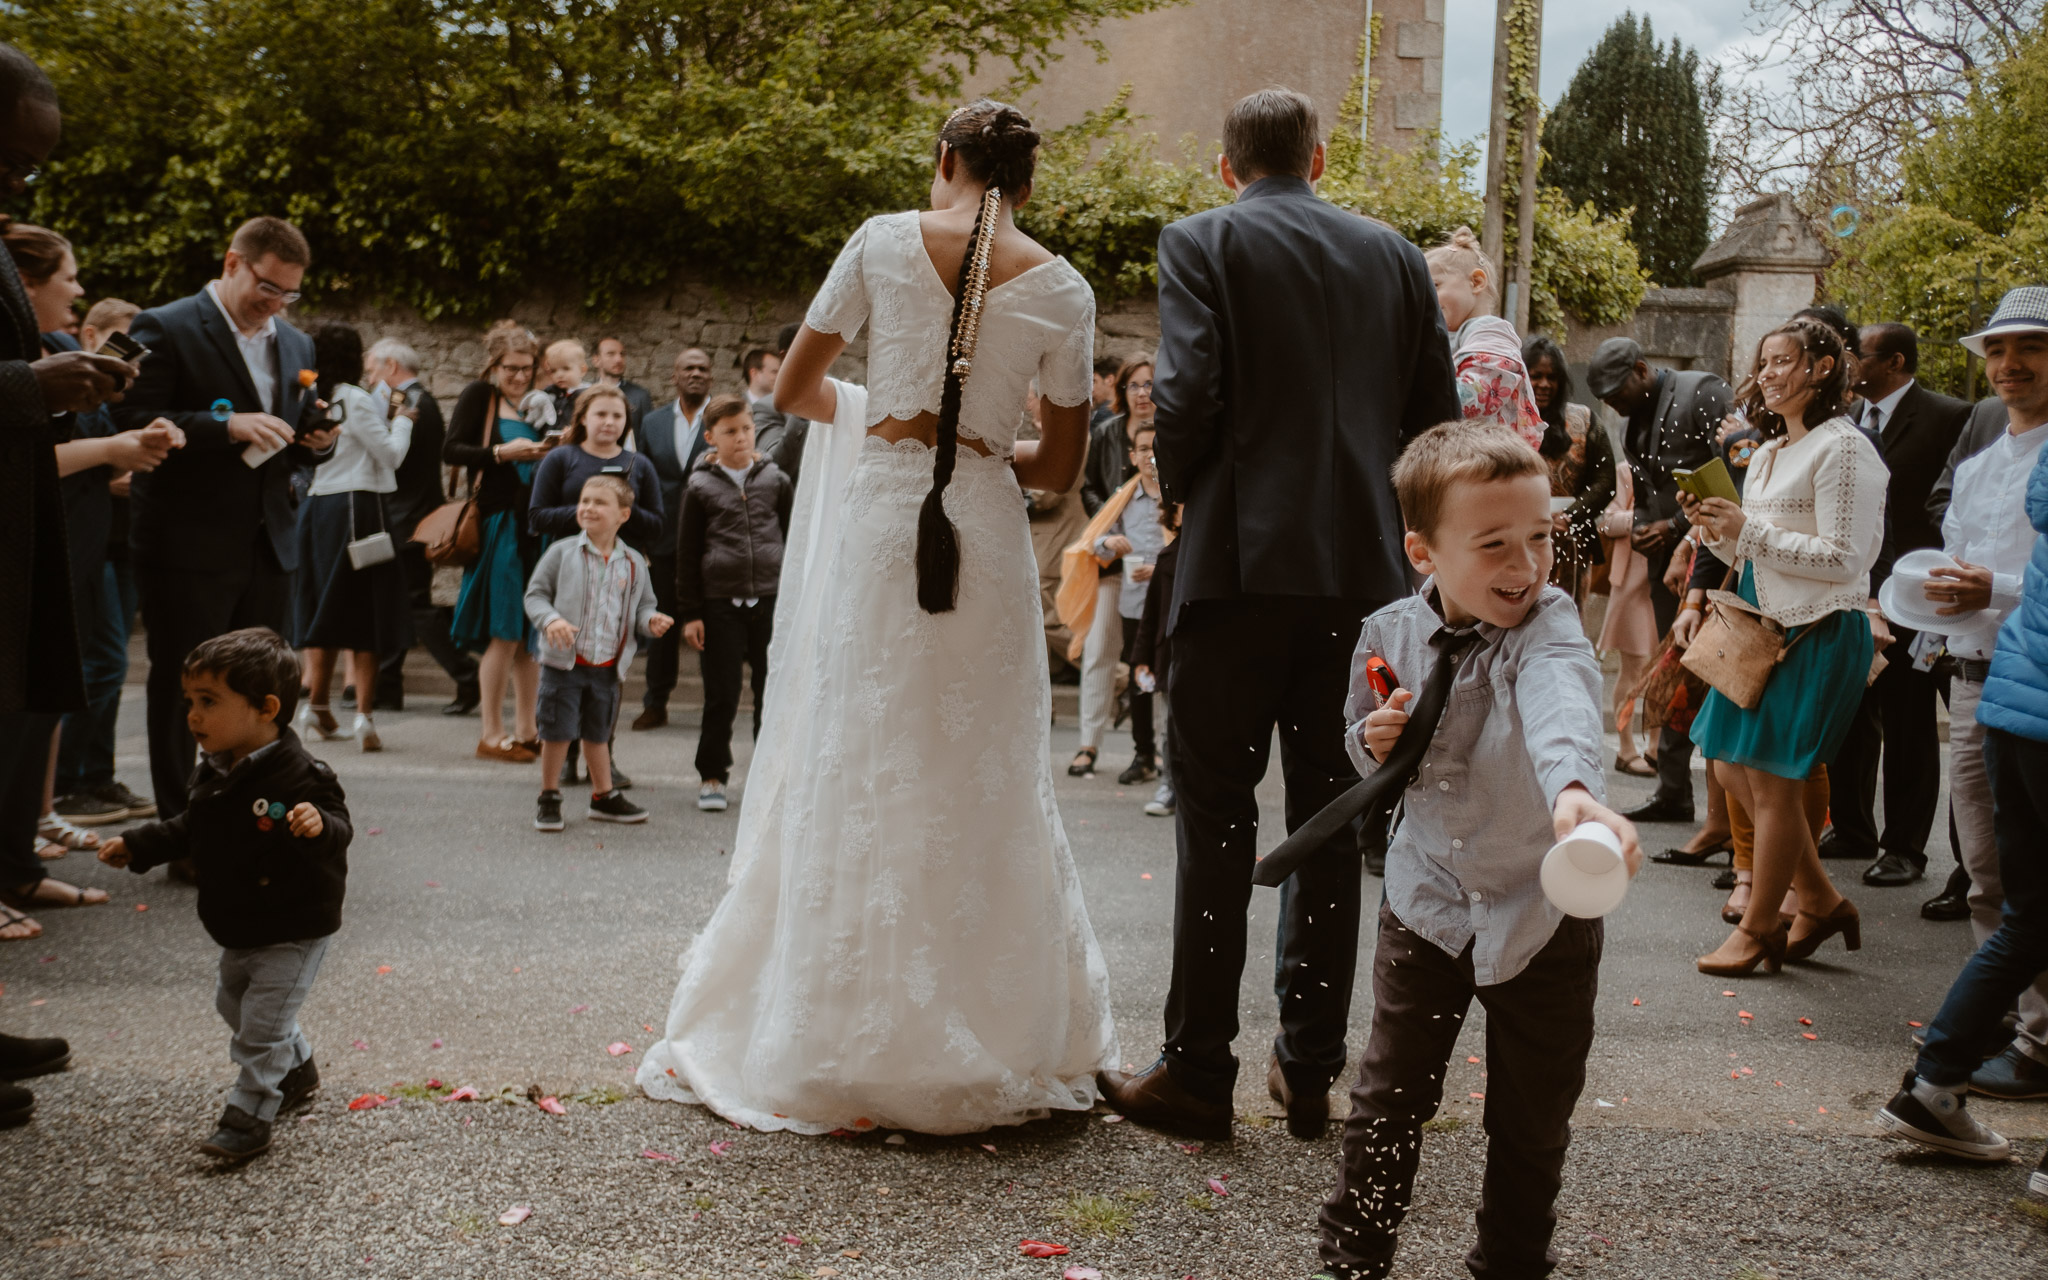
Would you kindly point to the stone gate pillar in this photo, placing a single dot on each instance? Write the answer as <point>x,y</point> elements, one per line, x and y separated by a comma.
<point>1769,260</point>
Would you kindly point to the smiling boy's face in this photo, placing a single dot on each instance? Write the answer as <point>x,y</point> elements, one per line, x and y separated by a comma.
<point>1490,551</point>
<point>222,720</point>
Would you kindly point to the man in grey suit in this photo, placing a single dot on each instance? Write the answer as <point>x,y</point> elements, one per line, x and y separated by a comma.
<point>1301,348</point>
<point>1671,417</point>
<point>672,436</point>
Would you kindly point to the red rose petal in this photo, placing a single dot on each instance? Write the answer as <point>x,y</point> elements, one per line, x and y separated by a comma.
<point>1042,1249</point>
<point>1806,1022</point>
<point>366,1101</point>
<point>464,1094</point>
<point>1808,1035</point>
<point>720,1148</point>
<point>1216,1185</point>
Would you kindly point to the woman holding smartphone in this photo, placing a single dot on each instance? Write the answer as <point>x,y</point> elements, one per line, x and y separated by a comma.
<point>488,437</point>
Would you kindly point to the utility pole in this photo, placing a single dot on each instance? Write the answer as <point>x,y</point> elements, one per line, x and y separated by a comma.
<point>1512,135</point>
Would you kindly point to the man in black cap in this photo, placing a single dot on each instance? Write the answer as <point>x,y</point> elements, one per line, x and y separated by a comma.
<point>1672,417</point>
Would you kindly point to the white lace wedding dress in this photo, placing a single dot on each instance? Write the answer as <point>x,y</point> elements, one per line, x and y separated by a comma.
<point>903,942</point>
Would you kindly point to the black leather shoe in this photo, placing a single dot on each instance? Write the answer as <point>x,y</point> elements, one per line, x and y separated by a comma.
<point>1832,845</point>
<point>2011,1075</point>
<point>1694,858</point>
<point>1891,870</point>
<point>466,701</point>
<point>1953,902</point>
<point>1307,1117</point>
<point>299,1084</point>
<point>1155,1099</point>
<point>21,1058</point>
<point>1658,810</point>
<point>17,1105</point>
<point>239,1137</point>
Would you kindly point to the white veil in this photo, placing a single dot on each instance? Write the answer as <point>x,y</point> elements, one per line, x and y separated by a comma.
<point>815,529</point>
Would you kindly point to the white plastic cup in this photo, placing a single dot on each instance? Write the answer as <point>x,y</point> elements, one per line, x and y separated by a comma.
<point>1584,874</point>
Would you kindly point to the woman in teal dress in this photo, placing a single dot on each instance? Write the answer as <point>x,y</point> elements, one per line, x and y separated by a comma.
<point>488,437</point>
<point>1806,533</point>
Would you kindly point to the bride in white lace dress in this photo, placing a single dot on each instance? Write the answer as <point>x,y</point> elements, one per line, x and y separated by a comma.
<point>903,943</point>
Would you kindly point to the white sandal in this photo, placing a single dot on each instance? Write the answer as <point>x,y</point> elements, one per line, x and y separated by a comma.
<point>60,832</point>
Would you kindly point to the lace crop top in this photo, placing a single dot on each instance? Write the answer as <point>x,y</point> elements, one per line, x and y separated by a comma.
<point>1040,324</point>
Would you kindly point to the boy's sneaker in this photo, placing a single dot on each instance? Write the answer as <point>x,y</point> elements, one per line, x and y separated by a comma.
<point>239,1137</point>
<point>1161,803</point>
<point>613,806</point>
<point>1143,769</point>
<point>90,809</point>
<point>299,1084</point>
<point>711,797</point>
<point>1936,1117</point>
<point>138,806</point>
<point>547,812</point>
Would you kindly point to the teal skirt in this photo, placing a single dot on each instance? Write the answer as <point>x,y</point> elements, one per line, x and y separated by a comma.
<point>1807,706</point>
<point>492,603</point>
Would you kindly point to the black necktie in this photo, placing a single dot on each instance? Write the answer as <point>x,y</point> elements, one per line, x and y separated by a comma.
<point>1376,797</point>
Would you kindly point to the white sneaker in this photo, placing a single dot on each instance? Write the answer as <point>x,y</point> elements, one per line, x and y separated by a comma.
<point>711,797</point>
<point>1936,1117</point>
<point>1161,803</point>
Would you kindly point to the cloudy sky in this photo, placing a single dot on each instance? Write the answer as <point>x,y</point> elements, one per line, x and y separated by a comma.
<point>1570,30</point>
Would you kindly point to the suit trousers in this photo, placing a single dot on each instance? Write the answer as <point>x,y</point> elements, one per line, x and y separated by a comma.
<point>735,635</point>
<point>1242,668</point>
<point>1895,720</point>
<point>1539,1029</point>
<point>258,995</point>
<point>85,752</point>
<point>429,627</point>
<point>664,653</point>
<point>1971,808</point>
<point>180,609</point>
<point>1674,749</point>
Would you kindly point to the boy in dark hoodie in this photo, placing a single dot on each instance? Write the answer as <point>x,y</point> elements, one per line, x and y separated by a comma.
<point>268,828</point>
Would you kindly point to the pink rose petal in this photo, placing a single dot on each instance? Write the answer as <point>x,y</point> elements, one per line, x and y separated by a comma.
<point>720,1148</point>
<point>1080,1273</point>
<point>652,1154</point>
<point>552,1107</point>
<point>791,1241</point>
<point>365,1102</point>
<point>1042,1249</point>
<point>464,1094</point>
<point>435,1045</point>
<point>617,1047</point>
<point>1216,1185</point>
<point>376,831</point>
<point>579,1008</point>
<point>989,1147</point>
<point>517,1214</point>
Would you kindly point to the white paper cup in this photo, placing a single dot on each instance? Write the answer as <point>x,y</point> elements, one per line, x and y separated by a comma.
<point>1584,874</point>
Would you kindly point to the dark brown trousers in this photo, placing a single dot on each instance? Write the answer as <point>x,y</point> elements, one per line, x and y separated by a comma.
<point>1539,1028</point>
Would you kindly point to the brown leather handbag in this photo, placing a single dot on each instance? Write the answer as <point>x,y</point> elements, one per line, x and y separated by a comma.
<point>1737,647</point>
<point>452,534</point>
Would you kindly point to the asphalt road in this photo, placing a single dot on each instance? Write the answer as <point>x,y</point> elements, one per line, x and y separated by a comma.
<point>478,952</point>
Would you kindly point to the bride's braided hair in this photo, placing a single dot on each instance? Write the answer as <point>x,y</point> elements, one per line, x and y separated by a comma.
<point>998,147</point>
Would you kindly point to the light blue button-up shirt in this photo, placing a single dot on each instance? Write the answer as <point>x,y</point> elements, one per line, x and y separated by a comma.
<point>1523,723</point>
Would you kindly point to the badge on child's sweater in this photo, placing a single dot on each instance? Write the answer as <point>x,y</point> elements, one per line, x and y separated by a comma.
<point>267,814</point>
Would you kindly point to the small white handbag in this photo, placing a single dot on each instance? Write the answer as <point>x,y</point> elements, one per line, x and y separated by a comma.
<point>364,553</point>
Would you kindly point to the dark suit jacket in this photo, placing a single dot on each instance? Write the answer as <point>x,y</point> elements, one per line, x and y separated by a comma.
<point>1679,434</point>
<point>39,663</point>
<point>1300,348</point>
<point>419,489</point>
<point>1916,442</point>
<point>658,442</point>
<point>1987,421</point>
<point>202,508</point>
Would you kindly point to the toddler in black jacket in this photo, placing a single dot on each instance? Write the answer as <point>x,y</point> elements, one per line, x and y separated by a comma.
<point>268,829</point>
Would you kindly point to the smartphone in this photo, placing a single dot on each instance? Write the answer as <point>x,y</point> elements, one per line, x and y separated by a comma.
<point>1709,481</point>
<point>1382,678</point>
<point>122,347</point>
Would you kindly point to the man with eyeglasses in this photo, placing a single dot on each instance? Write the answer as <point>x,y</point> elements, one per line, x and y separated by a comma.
<point>213,533</point>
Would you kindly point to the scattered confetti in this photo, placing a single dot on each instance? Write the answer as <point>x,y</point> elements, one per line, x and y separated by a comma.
<point>1744,1013</point>
<point>1602,1102</point>
<point>1822,1110</point>
<point>376,831</point>
<point>367,1101</point>
<point>1729,994</point>
<point>617,1047</point>
<point>647,1027</point>
<point>1748,1071</point>
<point>1808,1035</point>
<point>574,1009</point>
<point>1142,875</point>
<point>1911,1023</point>
<point>435,1045</point>
<point>1042,1249</point>
<point>1216,1185</point>
<point>383,969</point>
<point>1472,1059</point>
<point>552,1106</point>
<point>1112,1119</point>
<point>360,1044</point>
<point>517,1214</point>
<point>895,1140</point>
<point>652,1154</point>
<point>720,1148</point>
<point>142,906</point>
<point>1806,1022</point>
<point>1735,1075</point>
<point>1478,1097</point>
<point>1637,1002</point>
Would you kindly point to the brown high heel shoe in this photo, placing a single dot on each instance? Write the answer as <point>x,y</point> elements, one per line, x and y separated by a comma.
<point>1767,949</point>
<point>1844,920</point>
<point>1738,901</point>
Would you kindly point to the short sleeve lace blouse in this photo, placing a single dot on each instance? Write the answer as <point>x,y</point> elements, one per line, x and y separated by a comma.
<point>1040,324</point>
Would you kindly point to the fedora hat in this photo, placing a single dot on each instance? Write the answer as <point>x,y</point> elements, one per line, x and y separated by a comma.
<point>2021,310</point>
<point>1903,597</point>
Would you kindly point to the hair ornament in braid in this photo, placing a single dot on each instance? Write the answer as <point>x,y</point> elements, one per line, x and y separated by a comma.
<point>938,542</point>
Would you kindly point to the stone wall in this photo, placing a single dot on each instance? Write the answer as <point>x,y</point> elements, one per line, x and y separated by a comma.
<point>656,326</point>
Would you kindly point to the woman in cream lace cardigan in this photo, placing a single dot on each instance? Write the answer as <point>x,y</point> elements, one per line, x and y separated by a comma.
<point>1805,535</point>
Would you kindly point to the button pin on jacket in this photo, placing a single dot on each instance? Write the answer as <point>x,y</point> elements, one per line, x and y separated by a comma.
<point>260,808</point>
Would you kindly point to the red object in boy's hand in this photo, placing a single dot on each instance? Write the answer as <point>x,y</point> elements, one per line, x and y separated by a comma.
<point>1382,678</point>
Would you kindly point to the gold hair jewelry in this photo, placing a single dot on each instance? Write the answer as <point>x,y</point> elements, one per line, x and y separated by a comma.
<point>974,288</point>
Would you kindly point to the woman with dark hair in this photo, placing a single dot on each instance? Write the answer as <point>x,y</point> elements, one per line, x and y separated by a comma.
<point>903,944</point>
<point>1581,459</point>
<point>489,438</point>
<point>1108,469</point>
<point>349,592</point>
<point>1804,536</point>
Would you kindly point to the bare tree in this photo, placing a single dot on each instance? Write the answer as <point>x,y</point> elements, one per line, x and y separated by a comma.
<point>1825,99</point>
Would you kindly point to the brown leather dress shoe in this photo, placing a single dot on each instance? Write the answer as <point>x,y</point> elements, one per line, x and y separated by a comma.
<point>650,718</point>
<point>1155,1099</point>
<point>1306,1116</point>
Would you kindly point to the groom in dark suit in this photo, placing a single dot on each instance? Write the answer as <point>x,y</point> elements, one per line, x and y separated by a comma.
<point>212,533</point>
<point>1301,347</point>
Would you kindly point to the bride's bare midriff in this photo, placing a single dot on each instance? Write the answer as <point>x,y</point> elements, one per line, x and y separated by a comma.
<point>924,429</point>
